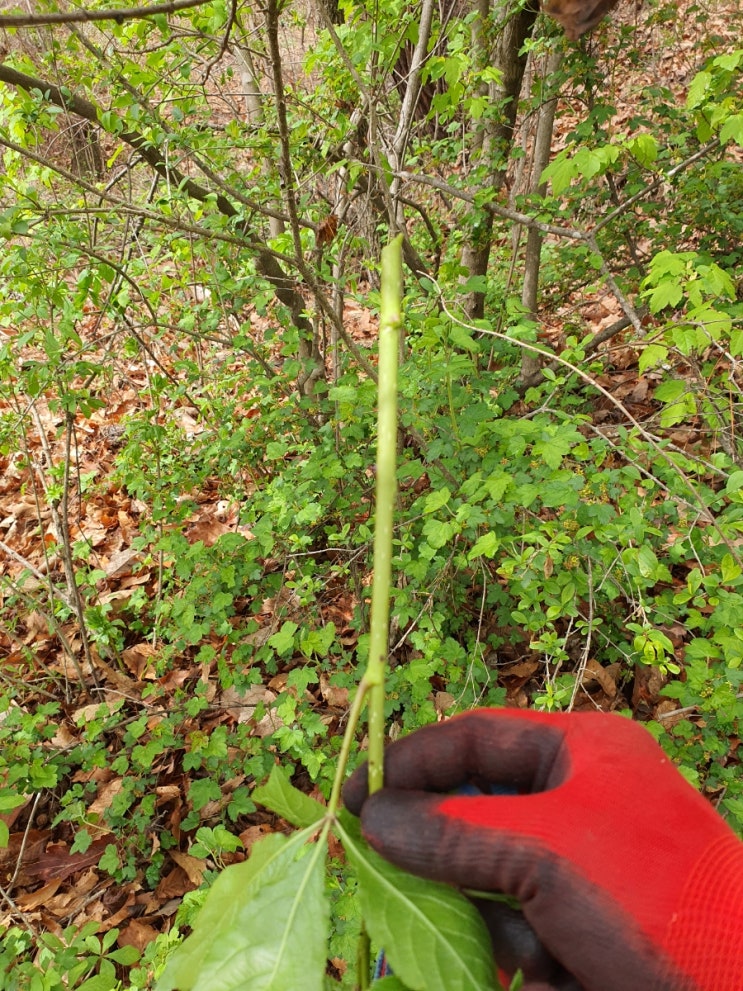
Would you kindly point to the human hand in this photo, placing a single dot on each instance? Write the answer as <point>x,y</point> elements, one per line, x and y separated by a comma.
<point>627,879</point>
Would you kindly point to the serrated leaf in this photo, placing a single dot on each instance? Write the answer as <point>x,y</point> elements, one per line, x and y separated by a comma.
<point>11,800</point>
<point>651,355</point>
<point>588,162</point>
<point>280,796</point>
<point>700,85</point>
<point>263,926</point>
<point>645,148</point>
<point>433,936</point>
<point>732,130</point>
<point>665,294</point>
<point>729,569</point>
<point>669,391</point>
<point>461,337</point>
<point>435,500</point>
<point>560,172</point>
<point>677,412</point>
<point>283,640</point>
<point>484,546</point>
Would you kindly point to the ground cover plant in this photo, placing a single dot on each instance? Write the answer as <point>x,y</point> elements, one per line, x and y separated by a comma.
<point>193,206</point>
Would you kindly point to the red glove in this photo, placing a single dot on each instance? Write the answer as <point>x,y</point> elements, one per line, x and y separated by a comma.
<point>625,874</point>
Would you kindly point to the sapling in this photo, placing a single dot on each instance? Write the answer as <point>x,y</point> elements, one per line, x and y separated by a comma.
<point>265,922</point>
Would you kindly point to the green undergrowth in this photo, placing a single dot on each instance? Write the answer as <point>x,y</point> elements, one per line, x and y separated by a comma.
<point>521,533</point>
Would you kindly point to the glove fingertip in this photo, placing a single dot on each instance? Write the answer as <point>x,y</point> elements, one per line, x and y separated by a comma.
<point>356,790</point>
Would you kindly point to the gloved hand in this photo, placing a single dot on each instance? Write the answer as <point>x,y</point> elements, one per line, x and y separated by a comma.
<point>628,880</point>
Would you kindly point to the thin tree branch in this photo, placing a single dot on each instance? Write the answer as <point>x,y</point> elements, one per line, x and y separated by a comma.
<point>284,286</point>
<point>86,16</point>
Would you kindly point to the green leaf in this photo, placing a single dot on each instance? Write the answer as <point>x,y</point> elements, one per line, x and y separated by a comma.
<point>263,926</point>
<point>461,337</point>
<point>588,162</point>
<point>732,130</point>
<point>700,85</point>
<point>283,640</point>
<point>644,147</point>
<point>729,569</point>
<point>201,791</point>
<point>82,842</point>
<point>318,641</point>
<point>665,294</point>
<point>125,955</point>
<point>554,448</point>
<point>389,983</point>
<point>11,800</point>
<point>101,982</point>
<point>281,797</point>
<point>433,936</point>
<point>109,860</point>
<point>484,546</point>
<point>647,562</point>
<point>561,172</point>
<point>435,500</point>
<point>650,356</point>
<point>670,391</point>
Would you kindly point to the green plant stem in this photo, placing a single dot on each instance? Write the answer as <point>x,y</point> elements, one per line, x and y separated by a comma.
<point>353,719</point>
<point>372,683</point>
<point>389,333</point>
<point>363,959</point>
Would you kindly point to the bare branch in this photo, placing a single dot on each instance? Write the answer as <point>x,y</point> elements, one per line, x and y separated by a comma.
<point>83,16</point>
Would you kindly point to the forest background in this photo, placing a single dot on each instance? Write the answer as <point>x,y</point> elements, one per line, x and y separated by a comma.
<point>193,205</point>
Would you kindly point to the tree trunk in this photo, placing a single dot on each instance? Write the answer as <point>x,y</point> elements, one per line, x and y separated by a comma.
<point>493,140</point>
<point>530,365</point>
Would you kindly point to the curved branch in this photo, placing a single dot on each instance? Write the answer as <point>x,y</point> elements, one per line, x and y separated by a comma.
<point>84,16</point>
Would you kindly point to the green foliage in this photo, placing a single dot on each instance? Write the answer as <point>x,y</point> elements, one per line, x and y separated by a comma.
<point>151,370</point>
<point>271,917</point>
<point>265,921</point>
<point>77,958</point>
<point>433,935</point>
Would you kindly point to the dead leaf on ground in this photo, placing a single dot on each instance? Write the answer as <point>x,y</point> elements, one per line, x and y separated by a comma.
<point>140,661</point>
<point>28,901</point>
<point>595,674</point>
<point>137,934</point>
<point>333,695</point>
<point>193,866</point>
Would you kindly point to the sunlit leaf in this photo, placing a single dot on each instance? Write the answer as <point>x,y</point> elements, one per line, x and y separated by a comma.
<point>651,355</point>
<point>263,926</point>
<point>281,797</point>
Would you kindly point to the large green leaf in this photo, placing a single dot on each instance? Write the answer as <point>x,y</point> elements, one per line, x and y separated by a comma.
<point>263,926</point>
<point>433,936</point>
<point>281,797</point>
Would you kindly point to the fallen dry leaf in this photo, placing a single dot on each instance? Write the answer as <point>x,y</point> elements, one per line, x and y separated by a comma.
<point>28,901</point>
<point>137,934</point>
<point>193,866</point>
